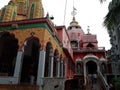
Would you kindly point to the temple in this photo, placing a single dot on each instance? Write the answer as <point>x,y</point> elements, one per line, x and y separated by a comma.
<point>37,55</point>
<point>21,10</point>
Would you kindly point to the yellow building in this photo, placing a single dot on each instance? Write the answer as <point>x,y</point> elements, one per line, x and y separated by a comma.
<point>32,56</point>
<point>21,10</point>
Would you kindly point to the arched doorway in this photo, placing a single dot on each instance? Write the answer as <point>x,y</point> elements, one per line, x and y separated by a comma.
<point>8,53</point>
<point>91,67</point>
<point>55,63</point>
<point>48,60</point>
<point>30,61</point>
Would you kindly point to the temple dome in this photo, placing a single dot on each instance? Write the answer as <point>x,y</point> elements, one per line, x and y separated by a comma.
<point>74,23</point>
<point>75,31</point>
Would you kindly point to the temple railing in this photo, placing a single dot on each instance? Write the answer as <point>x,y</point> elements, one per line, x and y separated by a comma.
<point>103,80</point>
<point>87,49</point>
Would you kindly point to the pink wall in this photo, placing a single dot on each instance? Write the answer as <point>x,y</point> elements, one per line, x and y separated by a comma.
<point>63,35</point>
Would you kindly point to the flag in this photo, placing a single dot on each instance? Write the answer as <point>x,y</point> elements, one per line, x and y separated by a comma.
<point>74,8</point>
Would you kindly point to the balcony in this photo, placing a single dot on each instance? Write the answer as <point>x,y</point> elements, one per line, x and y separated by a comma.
<point>87,49</point>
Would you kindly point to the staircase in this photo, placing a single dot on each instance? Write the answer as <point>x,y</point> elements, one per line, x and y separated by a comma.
<point>103,81</point>
<point>100,83</point>
<point>96,85</point>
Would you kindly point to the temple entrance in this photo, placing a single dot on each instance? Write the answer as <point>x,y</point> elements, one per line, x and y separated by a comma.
<point>8,53</point>
<point>91,67</point>
<point>30,61</point>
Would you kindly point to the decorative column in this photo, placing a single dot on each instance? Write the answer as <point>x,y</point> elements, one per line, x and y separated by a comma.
<point>58,67</point>
<point>51,68</point>
<point>98,67</point>
<point>62,69</point>
<point>18,66</point>
<point>41,67</point>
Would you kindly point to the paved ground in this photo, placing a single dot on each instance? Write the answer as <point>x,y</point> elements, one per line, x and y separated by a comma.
<point>96,85</point>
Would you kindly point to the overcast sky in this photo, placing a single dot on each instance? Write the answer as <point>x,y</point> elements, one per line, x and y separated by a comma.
<point>89,13</point>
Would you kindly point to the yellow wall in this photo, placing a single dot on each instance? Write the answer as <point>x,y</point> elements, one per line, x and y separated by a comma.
<point>9,13</point>
<point>42,34</point>
<point>21,10</point>
<point>55,45</point>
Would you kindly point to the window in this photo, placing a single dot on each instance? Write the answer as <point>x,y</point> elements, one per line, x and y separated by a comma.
<point>74,44</point>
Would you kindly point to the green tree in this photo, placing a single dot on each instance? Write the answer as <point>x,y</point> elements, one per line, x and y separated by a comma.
<point>113,16</point>
<point>116,83</point>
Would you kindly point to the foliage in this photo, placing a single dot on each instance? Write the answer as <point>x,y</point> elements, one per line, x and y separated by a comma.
<point>116,83</point>
<point>112,18</point>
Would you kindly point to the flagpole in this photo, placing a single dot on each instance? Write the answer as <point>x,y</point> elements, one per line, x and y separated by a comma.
<point>73,4</point>
<point>65,12</point>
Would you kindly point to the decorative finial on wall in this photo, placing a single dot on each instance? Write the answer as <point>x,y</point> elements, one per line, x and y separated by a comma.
<point>88,29</point>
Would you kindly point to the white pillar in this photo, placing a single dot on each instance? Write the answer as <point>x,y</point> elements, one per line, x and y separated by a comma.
<point>41,67</point>
<point>18,66</point>
<point>58,67</point>
<point>98,67</point>
<point>51,68</point>
<point>62,69</point>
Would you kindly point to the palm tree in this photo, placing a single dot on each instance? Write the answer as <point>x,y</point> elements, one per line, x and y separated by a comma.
<point>112,21</point>
<point>113,17</point>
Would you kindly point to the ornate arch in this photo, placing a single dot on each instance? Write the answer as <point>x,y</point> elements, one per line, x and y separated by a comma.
<point>55,63</point>
<point>88,60</point>
<point>61,65</point>
<point>31,49</point>
<point>48,59</point>
<point>78,66</point>
<point>90,57</point>
<point>34,40</point>
<point>8,53</point>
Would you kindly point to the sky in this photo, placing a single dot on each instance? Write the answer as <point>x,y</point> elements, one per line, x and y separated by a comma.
<point>88,13</point>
